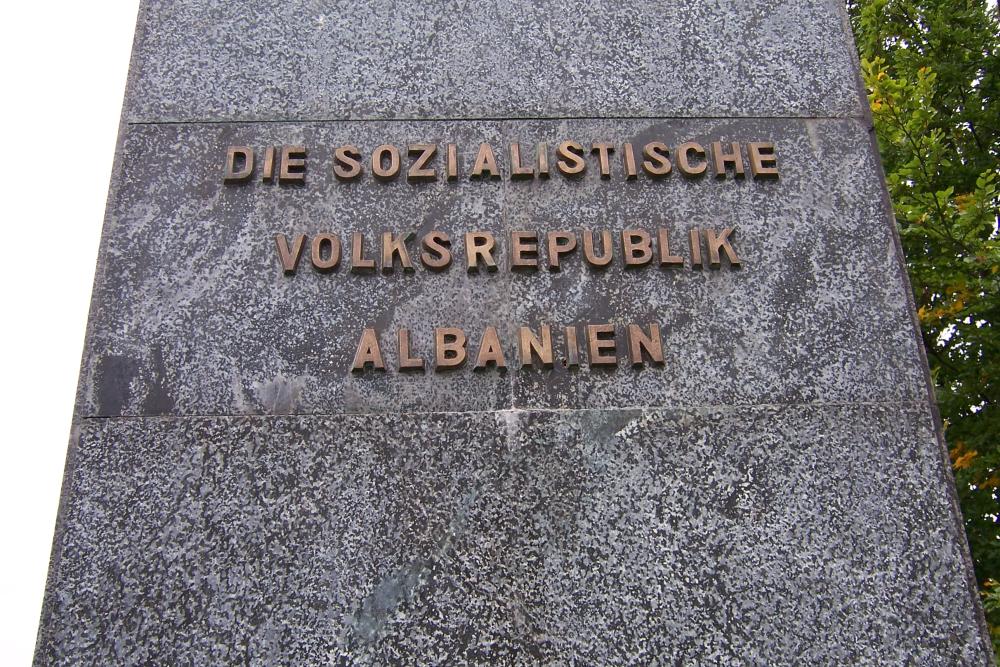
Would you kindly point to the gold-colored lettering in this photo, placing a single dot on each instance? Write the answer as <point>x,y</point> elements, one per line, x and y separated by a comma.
<point>379,155</point>
<point>407,362</point>
<point>683,155</point>
<point>543,160</point>
<point>268,170</point>
<point>436,255</point>
<point>631,173</point>
<point>418,170</point>
<point>368,352</point>
<point>666,259</point>
<point>519,171</point>
<point>639,342</point>
<point>571,162</point>
<point>722,160</point>
<point>717,242</point>
<point>449,348</point>
<point>603,149</point>
<point>451,168</point>
<point>637,247</point>
<point>490,351</point>
<point>657,162</point>
<point>486,161</point>
<point>289,257</point>
<point>598,342</point>
<point>524,250</point>
<point>359,264</point>
<point>530,346</point>
<point>293,165</point>
<point>590,255</point>
<point>329,263</point>
<point>559,243</point>
<point>763,161</point>
<point>393,247</point>
<point>239,164</point>
<point>346,162</point>
<point>479,246</point>
<point>572,348</point>
<point>694,240</point>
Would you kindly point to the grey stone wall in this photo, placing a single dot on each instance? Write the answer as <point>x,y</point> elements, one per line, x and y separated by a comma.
<point>777,493</point>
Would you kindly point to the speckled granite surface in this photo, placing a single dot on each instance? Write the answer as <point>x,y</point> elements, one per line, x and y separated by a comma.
<point>777,493</point>
<point>309,60</point>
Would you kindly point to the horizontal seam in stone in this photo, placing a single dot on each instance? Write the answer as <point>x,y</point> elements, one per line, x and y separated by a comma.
<point>495,119</point>
<point>658,408</point>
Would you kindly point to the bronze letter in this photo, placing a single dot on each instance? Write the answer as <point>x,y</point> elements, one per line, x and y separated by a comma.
<point>694,237</point>
<point>572,348</point>
<point>268,169</point>
<point>385,173</point>
<point>523,250</point>
<point>684,161</point>
<point>638,341</point>
<point>656,163</point>
<point>518,170</point>
<point>630,171</point>
<point>452,167</point>
<point>407,362</point>
<point>293,165</point>
<point>490,351</point>
<point>597,341</point>
<point>721,241</point>
<point>330,262</point>
<point>530,345</point>
<point>289,258</point>
<point>418,170</point>
<point>543,160</point>
<point>559,243</point>
<point>346,162</point>
<point>436,255</point>
<point>479,245</point>
<point>449,347</point>
<point>763,161</point>
<point>588,248</point>
<point>721,160</point>
<point>602,149</point>
<point>358,262</point>
<point>637,247</point>
<point>395,247</point>
<point>368,352</point>
<point>571,162</point>
<point>233,175</point>
<point>666,259</point>
<point>485,162</point>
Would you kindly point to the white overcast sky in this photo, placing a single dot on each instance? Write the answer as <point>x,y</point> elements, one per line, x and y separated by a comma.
<point>63,79</point>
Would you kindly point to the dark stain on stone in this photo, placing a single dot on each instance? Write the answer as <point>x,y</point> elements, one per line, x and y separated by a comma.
<point>158,400</point>
<point>114,375</point>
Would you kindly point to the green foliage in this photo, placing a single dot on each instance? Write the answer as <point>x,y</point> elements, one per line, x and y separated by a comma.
<point>932,69</point>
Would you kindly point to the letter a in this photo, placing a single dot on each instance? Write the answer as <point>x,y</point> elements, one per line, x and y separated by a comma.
<point>368,352</point>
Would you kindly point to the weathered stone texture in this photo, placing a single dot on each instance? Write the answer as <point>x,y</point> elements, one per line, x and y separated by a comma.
<point>781,535</point>
<point>258,60</point>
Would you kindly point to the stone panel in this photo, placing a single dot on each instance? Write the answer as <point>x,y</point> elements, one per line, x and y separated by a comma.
<point>781,535</point>
<point>257,60</point>
<point>194,316</point>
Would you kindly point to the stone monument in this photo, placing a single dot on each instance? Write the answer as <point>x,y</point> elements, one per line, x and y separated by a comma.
<point>503,333</point>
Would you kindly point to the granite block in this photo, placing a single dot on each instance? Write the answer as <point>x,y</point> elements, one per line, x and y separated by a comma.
<point>817,311</point>
<point>256,60</point>
<point>742,535</point>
